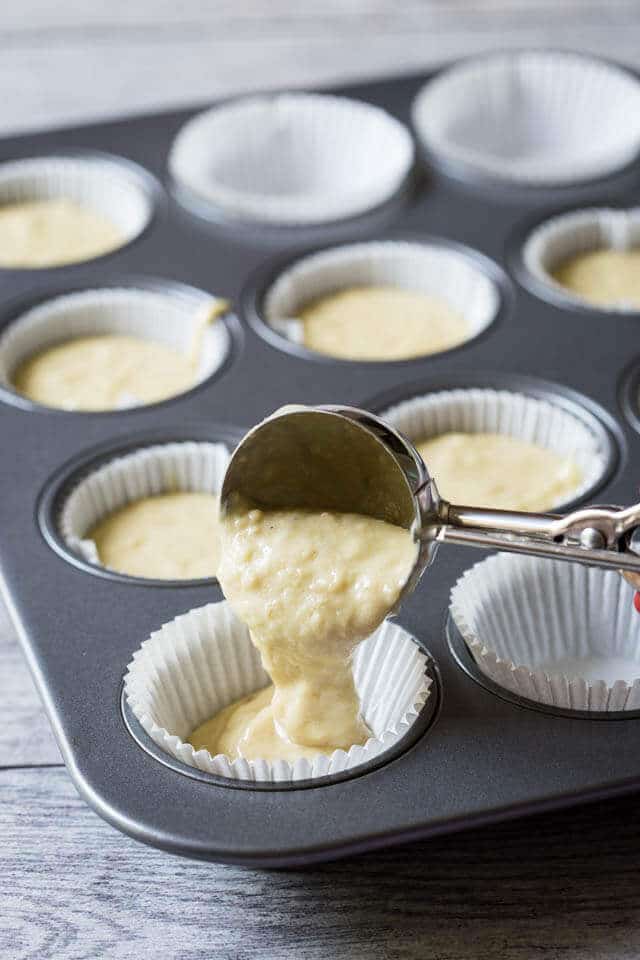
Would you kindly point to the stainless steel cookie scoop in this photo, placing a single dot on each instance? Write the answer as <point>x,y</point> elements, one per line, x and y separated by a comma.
<point>345,459</point>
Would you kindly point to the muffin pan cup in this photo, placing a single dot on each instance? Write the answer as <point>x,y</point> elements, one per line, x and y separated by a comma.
<point>204,660</point>
<point>332,158</point>
<point>122,193</point>
<point>473,755</point>
<point>189,467</point>
<point>561,635</point>
<point>167,314</point>
<point>530,117</point>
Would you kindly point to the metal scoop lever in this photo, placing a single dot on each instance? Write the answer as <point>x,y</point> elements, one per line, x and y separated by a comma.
<point>602,536</point>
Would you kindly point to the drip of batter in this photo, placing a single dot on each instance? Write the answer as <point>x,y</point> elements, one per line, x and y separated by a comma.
<point>169,536</point>
<point>109,371</point>
<point>50,233</point>
<point>310,586</point>
<point>381,323</point>
<point>607,278</point>
<point>498,471</point>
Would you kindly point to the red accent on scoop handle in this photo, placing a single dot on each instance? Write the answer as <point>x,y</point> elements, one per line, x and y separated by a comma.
<point>636,601</point>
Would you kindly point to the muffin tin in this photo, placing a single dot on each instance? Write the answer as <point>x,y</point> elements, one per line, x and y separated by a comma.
<point>476,753</point>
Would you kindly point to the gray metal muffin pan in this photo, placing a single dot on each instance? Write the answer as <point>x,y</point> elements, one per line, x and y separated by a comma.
<point>476,756</point>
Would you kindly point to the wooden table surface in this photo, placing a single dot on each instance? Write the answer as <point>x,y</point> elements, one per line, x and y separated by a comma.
<point>71,888</point>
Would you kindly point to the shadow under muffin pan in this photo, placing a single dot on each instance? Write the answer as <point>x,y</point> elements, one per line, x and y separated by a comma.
<point>123,193</point>
<point>150,309</point>
<point>460,278</point>
<point>486,758</point>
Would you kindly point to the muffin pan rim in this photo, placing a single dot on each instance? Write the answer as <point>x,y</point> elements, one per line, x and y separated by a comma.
<point>254,292</point>
<point>12,311</point>
<point>629,394</point>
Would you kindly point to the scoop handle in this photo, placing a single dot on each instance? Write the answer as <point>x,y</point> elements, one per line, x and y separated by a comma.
<point>595,536</point>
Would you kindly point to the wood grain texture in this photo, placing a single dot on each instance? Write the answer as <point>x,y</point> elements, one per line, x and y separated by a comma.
<point>215,48</point>
<point>562,886</point>
<point>25,735</point>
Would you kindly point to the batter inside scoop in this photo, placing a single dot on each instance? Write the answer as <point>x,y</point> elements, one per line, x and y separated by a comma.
<point>50,233</point>
<point>381,323</point>
<point>498,471</point>
<point>310,586</point>
<point>606,278</point>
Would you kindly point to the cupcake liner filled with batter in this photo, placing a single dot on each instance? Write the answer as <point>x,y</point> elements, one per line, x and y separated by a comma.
<point>389,300</point>
<point>152,513</point>
<point>203,661</point>
<point>114,348</point>
<point>67,209</point>
<point>557,633</point>
<point>292,158</point>
<point>504,434</point>
<point>589,256</point>
<point>531,117</point>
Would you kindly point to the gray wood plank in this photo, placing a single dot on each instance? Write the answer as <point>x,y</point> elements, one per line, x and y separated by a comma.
<point>562,886</point>
<point>25,735</point>
<point>222,48</point>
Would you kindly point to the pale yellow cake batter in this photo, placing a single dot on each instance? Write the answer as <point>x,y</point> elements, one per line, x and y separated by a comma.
<point>49,233</point>
<point>381,323</point>
<point>104,372</point>
<point>170,536</point>
<point>310,586</point>
<point>603,277</point>
<point>113,371</point>
<point>498,471</point>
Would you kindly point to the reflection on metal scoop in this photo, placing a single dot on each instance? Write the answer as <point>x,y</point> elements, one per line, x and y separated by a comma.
<point>348,460</point>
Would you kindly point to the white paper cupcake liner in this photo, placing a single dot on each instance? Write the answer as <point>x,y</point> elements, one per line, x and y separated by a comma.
<point>108,188</point>
<point>437,271</point>
<point>197,664</point>
<point>483,410</point>
<point>557,633</point>
<point>537,117</point>
<point>164,468</point>
<point>294,158</point>
<point>581,231</point>
<point>167,316</point>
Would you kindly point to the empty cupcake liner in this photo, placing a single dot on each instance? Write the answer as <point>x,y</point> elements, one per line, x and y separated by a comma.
<point>581,231</point>
<point>483,410</point>
<point>197,664</point>
<point>175,318</point>
<point>557,633</point>
<point>106,187</point>
<point>164,468</point>
<point>536,117</point>
<point>294,158</point>
<point>437,271</point>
